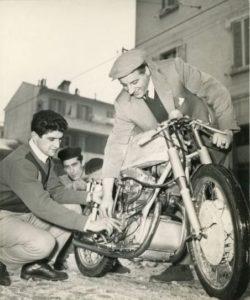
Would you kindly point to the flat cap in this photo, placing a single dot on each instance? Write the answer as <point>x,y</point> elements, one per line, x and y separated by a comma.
<point>68,153</point>
<point>127,62</point>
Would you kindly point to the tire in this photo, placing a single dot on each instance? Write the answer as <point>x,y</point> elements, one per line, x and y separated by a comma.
<point>92,264</point>
<point>221,259</point>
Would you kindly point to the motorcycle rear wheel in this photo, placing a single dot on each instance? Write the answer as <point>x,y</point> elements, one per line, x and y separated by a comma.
<point>221,260</point>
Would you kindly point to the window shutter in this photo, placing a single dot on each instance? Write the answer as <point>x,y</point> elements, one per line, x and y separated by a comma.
<point>89,113</point>
<point>61,107</point>
<point>79,111</point>
<point>51,104</point>
<point>171,2</point>
<point>237,43</point>
<point>246,31</point>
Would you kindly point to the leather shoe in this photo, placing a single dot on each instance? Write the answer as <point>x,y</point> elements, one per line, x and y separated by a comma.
<point>174,273</point>
<point>4,275</point>
<point>118,268</point>
<point>44,271</point>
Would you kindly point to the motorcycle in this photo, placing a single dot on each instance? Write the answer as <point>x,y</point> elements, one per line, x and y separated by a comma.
<point>181,202</point>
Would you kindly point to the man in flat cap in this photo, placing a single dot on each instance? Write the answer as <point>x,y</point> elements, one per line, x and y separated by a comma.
<point>151,90</point>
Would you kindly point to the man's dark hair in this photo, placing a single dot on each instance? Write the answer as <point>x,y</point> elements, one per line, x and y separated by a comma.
<point>48,120</point>
<point>142,68</point>
<point>93,165</point>
<point>69,152</point>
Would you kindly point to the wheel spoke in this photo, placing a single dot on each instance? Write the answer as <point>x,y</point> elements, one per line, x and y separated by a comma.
<point>220,274</point>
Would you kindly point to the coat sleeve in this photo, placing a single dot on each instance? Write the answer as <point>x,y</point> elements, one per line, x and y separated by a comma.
<point>118,139</point>
<point>213,93</point>
<point>65,181</point>
<point>23,181</point>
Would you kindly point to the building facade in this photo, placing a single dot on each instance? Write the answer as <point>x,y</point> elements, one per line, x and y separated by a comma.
<point>1,130</point>
<point>90,121</point>
<point>212,35</point>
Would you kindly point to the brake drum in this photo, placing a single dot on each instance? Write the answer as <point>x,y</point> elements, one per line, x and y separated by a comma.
<point>213,245</point>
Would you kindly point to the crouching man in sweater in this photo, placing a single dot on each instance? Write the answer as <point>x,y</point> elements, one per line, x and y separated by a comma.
<point>37,213</point>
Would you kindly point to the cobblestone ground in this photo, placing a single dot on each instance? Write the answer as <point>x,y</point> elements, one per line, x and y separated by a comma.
<point>132,286</point>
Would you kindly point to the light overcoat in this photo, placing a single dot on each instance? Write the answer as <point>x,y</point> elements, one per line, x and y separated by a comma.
<point>204,97</point>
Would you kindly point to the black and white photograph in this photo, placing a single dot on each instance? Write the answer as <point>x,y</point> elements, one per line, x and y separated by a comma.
<point>124,150</point>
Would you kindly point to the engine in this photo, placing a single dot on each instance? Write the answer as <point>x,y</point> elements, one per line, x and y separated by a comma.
<point>133,194</point>
<point>132,198</point>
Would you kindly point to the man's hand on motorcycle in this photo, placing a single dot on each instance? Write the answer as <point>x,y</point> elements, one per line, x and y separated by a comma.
<point>80,185</point>
<point>106,206</point>
<point>175,114</point>
<point>103,224</point>
<point>223,140</point>
<point>97,196</point>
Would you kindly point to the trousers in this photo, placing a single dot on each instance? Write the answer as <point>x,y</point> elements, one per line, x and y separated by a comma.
<point>25,238</point>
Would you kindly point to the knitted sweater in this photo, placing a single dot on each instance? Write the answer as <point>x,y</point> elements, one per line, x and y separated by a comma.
<point>22,190</point>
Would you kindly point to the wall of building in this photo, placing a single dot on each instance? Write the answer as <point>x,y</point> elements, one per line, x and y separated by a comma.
<point>205,34</point>
<point>202,33</point>
<point>19,111</point>
<point>88,130</point>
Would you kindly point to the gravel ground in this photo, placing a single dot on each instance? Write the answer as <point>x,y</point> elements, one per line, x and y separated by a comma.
<point>130,286</point>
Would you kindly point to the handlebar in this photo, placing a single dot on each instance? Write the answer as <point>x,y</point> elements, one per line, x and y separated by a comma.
<point>207,127</point>
<point>181,121</point>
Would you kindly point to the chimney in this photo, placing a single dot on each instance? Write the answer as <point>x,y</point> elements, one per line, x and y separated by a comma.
<point>77,92</point>
<point>42,82</point>
<point>64,86</point>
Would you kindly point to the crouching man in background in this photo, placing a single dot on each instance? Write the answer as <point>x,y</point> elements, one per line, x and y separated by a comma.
<point>37,213</point>
<point>77,177</point>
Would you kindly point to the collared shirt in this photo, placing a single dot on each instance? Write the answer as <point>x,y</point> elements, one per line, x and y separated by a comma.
<point>40,155</point>
<point>151,89</point>
<point>151,93</point>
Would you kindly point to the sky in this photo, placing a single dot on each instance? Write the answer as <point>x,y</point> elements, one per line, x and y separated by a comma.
<point>75,40</point>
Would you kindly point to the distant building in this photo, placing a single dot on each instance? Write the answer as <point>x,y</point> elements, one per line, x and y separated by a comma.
<point>212,35</point>
<point>90,121</point>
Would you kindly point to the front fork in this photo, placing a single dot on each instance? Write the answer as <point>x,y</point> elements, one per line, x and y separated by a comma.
<point>180,177</point>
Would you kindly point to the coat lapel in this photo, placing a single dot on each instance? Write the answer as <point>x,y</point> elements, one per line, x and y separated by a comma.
<point>141,115</point>
<point>162,87</point>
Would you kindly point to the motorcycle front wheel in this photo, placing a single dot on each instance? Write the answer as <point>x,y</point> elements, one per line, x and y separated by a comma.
<point>221,256</point>
<point>92,264</point>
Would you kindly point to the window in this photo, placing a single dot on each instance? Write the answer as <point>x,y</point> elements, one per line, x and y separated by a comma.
<point>174,50</point>
<point>110,114</point>
<point>242,138</point>
<point>240,30</point>
<point>84,112</point>
<point>168,54</point>
<point>95,144</point>
<point>168,6</point>
<point>70,110</point>
<point>57,105</point>
<point>165,3</point>
<point>39,105</point>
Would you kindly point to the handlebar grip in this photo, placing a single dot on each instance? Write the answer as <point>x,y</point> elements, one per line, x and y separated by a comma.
<point>210,130</point>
